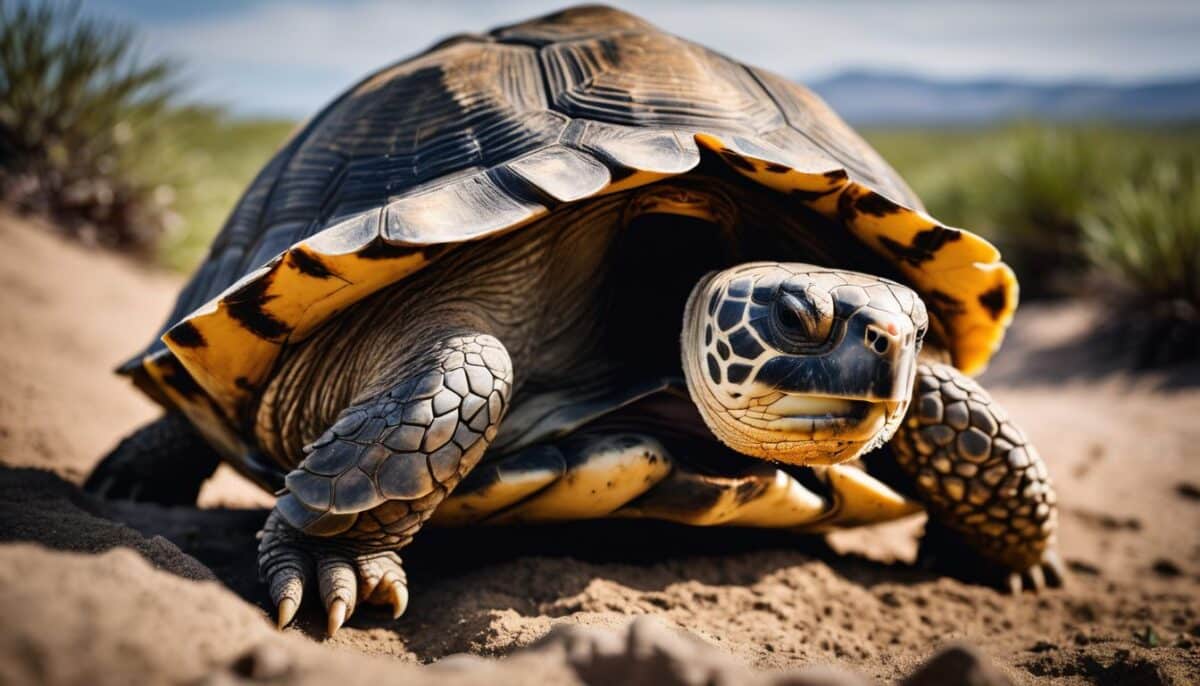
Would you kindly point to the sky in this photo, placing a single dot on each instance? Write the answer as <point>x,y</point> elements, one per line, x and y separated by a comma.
<point>271,57</point>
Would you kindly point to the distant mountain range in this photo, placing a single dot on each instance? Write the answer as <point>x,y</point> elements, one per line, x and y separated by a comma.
<point>880,98</point>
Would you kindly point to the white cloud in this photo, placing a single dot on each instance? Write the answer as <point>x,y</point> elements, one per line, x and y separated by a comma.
<point>291,57</point>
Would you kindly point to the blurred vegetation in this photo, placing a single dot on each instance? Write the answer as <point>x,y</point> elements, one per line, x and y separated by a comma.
<point>1085,209</point>
<point>1145,235</point>
<point>1146,230</point>
<point>92,136</point>
<point>77,110</point>
<point>208,158</point>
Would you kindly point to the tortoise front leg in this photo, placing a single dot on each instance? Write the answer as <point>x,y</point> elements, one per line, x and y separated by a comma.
<point>984,484</point>
<point>375,477</point>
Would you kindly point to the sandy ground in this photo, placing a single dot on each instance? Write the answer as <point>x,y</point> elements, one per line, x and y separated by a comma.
<point>96,592</point>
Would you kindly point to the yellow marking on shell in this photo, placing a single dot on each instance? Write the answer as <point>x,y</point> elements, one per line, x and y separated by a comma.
<point>860,498</point>
<point>511,486</point>
<point>782,503</point>
<point>235,360</point>
<point>637,179</point>
<point>825,181</point>
<point>199,408</point>
<point>785,504</point>
<point>944,262</point>
<point>592,489</point>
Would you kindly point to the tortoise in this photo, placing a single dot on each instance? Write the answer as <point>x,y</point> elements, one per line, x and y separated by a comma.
<point>580,268</point>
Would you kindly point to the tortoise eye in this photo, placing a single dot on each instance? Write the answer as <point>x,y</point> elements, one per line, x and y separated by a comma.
<point>803,319</point>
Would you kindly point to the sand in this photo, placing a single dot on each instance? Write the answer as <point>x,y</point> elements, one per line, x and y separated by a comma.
<point>95,592</point>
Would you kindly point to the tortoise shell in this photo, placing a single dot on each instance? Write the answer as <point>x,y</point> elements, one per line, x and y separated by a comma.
<point>482,134</point>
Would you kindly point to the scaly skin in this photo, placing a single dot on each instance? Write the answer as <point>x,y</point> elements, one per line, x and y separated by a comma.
<point>372,480</point>
<point>980,478</point>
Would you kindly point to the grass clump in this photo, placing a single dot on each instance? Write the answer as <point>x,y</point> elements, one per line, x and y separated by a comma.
<point>1145,233</point>
<point>77,109</point>
<point>1143,239</point>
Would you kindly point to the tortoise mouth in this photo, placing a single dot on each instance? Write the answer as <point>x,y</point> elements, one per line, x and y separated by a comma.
<point>821,417</point>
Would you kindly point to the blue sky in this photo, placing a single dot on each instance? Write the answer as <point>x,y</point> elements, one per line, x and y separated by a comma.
<point>288,58</point>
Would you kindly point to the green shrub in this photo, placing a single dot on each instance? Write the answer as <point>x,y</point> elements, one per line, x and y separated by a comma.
<point>1143,240</point>
<point>77,108</point>
<point>1047,177</point>
<point>1144,236</point>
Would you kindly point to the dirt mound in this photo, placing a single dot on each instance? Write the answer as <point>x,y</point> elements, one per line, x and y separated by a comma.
<point>98,592</point>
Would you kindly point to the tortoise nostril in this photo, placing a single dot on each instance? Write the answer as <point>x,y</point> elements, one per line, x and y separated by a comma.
<point>878,338</point>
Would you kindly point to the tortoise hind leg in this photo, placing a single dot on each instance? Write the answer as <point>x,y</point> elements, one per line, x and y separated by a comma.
<point>164,462</point>
<point>987,488</point>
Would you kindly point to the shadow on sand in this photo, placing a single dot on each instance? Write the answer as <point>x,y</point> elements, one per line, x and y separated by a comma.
<point>492,565</point>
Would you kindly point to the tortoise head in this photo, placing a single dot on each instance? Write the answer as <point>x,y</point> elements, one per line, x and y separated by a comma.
<point>801,364</point>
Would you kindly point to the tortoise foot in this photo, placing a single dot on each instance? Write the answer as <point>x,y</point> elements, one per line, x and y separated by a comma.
<point>164,462</point>
<point>992,508</point>
<point>345,574</point>
<point>1048,572</point>
<point>946,551</point>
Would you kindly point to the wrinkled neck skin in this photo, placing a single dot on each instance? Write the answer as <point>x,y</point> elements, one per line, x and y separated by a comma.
<point>505,287</point>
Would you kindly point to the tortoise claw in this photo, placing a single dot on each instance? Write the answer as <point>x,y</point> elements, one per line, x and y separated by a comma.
<point>339,589</point>
<point>1014,583</point>
<point>1036,578</point>
<point>1056,571</point>
<point>1048,572</point>
<point>382,581</point>
<point>337,616</point>
<point>285,569</point>
<point>287,612</point>
<point>287,559</point>
<point>399,593</point>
